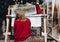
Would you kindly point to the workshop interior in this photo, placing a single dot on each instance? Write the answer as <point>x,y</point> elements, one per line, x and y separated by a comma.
<point>29,20</point>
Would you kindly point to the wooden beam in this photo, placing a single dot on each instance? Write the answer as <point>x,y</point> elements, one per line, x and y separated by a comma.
<point>53,37</point>
<point>40,15</point>
<point>7,26</point>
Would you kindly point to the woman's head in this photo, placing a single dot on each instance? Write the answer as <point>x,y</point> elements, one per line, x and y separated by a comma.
<point>19,13</point>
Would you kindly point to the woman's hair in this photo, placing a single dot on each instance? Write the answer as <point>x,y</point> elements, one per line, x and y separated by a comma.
<point>17,16</point>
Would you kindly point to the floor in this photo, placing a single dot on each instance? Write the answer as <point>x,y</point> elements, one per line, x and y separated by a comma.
<point>13,41</point>
<point>34,39</point>
<point>4,40</point>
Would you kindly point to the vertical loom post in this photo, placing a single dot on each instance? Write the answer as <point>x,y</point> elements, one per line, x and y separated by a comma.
<point>53,2</point>
<point>45,33</point>
<point>45,29</point>
<point>59,19</point>
<point>7,26</point>
<point>59,14</point>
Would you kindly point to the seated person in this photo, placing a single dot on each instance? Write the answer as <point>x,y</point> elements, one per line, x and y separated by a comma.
<point>22,26</point>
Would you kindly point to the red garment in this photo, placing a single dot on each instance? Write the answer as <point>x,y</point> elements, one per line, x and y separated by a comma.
<point>38,9</point>
<point>22,29</point>
<point>16,40</point>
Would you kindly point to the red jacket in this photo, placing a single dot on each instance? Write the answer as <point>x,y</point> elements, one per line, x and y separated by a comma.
<point>22,29</point>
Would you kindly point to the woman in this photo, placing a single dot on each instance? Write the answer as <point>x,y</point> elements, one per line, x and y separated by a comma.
<point>22,26</point>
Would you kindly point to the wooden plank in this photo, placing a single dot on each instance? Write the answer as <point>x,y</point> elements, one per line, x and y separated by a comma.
<point>53,37</point>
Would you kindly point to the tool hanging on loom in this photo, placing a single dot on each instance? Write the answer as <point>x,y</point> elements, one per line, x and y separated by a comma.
<point>38,9</point>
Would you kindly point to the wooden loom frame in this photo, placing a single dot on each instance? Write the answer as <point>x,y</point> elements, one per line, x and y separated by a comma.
<point>9,16</point>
